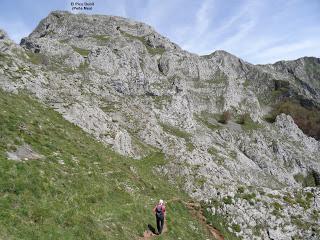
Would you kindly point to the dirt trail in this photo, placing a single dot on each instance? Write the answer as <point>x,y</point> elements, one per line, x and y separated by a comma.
<point>149,235</point>
<point>196,212</point>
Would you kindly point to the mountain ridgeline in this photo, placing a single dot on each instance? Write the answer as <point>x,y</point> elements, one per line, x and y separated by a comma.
<point>240,140</point>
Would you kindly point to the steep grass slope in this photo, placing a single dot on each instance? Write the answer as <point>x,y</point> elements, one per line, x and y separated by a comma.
<point>79,189</point>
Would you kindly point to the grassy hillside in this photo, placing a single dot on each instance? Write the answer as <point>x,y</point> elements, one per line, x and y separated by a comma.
<point>79,189</point>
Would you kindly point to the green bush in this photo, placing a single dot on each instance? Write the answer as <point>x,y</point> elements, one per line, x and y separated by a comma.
<point>247,123</point>
<point>213,151</point>
<point>288,199</point>
<point>236,227</point>
<point>306,181</point>
<point>240,189</point>
<point>303,200</point>
<point>277,206</point>
<point>249,196</point>
<point>227,200</point>
<point>307,119</point>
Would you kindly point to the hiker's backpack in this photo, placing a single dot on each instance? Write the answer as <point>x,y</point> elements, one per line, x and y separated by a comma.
<point>159,212</point>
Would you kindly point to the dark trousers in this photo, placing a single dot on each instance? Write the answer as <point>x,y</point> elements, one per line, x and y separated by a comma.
<point>160,222</point>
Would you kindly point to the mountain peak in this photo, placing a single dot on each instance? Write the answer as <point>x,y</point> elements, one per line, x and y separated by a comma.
<point>61,24</point>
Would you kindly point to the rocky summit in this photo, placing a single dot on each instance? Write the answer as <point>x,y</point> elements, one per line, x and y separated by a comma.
<point>240,138</point>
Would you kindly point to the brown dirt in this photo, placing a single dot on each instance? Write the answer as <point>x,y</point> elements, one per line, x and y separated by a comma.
<point>196,211</point>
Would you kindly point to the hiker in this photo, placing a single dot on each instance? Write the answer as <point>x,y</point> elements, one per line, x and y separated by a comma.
<point>160,212</point>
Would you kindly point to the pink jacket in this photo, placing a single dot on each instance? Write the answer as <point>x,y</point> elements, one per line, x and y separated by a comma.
<point>163,209</point>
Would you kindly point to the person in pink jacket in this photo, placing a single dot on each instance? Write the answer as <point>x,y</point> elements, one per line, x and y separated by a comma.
<point>160,212</point>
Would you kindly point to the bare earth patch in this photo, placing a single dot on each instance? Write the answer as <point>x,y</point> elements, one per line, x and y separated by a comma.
<point>23,153</point>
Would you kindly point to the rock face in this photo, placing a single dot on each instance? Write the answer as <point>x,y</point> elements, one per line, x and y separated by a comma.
<point>134,90</point>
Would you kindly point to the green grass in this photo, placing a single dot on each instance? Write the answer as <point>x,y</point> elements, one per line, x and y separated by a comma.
<point>93,195</point>
<point>36,58</point>
<point>296,220</point>
<point>256,230</point>
<point>236,227</point>
<point>178,133</point>
<point>101,38</point>
<point>213,151</point>
<point>152,50</point>
<point>304,199</point>
<point>4,57</point>
<point>306,181</point>
<point>277,206</point>
<point>108,107</point>
<point>161,101</point>
<point>247,123</point>
<point>200,181</point>
<point>84,66</point>
<point>81,51</point>
<point>288,199</point>
<point>248,196</point>
<point>156,50</point>
<point>207,120</point>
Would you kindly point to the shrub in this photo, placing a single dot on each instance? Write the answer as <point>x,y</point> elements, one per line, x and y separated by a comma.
<point>306,118</point>
<point>240,189</point>
<point>236,227</point>
<point>306,181</point>
<point>249,196</point>
<point>303,201</point>
<point>277,206</point>
<point>212,151</point>
<point>288,199</point>
<point>247,123</point>
<point>227,200</point>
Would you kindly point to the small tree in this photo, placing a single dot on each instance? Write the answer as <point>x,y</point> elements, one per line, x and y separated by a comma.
<point>225,117</point>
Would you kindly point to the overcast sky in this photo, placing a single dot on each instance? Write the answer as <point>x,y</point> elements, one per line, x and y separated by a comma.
<point>258,31</point>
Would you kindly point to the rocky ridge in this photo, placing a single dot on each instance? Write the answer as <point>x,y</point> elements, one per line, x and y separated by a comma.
<point>134,90</point>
